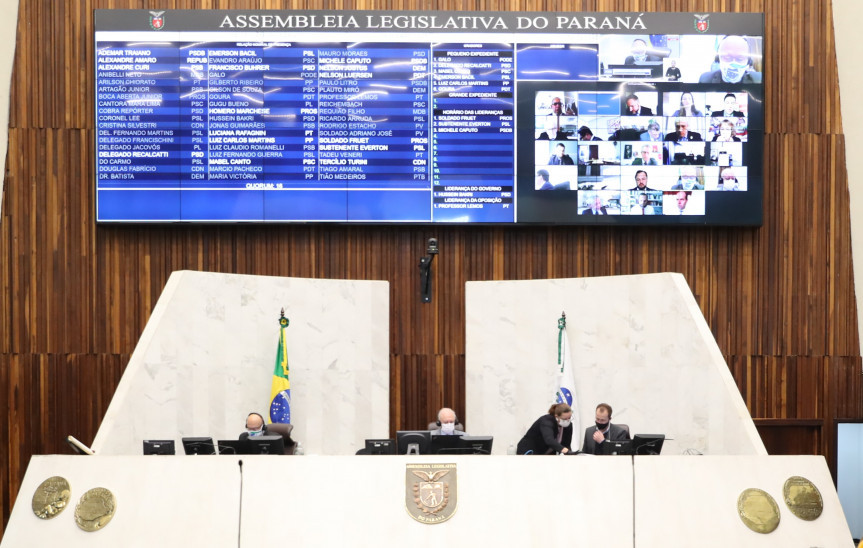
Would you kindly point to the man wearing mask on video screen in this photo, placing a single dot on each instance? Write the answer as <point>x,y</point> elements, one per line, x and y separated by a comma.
<point>735,64</point>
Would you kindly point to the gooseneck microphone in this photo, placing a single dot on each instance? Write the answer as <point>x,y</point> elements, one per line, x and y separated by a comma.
<point>240,509</point>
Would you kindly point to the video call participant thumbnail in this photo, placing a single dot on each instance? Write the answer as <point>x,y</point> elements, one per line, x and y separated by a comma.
<point>673,73</point>
<point>585,134</point>
<point>726,130</point>
<point>644,158</point>
<point>640,54</point>
<point>641,181</point>
<point>687,106</point>
<point>683,202</point>
<point>688,180</point>
<point>641,206</point>
<point>728,179</point>
<point>560,157</point>
<point>682,132</point>
<point>729,103</point>
<point>653,133</point>
<point>542,182</point>
<point>634,108</point>
<point>735,63</point>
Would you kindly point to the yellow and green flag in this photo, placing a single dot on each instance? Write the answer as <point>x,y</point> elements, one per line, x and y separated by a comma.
<point>280,395</point>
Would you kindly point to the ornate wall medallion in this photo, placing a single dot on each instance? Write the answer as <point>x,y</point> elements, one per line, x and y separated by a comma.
<point>431,494</point>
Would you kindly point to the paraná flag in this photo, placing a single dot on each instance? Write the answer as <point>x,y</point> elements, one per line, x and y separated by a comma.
<point>566,379</point>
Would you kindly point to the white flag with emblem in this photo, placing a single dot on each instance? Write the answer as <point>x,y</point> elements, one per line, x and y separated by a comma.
<point>566,377</point>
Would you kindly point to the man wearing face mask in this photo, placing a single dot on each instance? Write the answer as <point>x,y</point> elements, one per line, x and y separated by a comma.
<point>550,434</point>
<point>254,426</point>
<point>595,436</point>
<point>446,421</point>
<point>640,54</point>
<point>735,64</point>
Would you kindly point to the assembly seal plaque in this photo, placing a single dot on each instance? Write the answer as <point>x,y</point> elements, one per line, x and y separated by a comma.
<point>431,493</point>
<point>802,498</point>
<point>95,509</point>
<point>51,497</point>
<point>758,510</point>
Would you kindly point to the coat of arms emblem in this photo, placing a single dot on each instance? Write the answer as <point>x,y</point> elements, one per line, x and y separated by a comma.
<point>701,22</point>
<point>431,492</point>
<point>157,20</point>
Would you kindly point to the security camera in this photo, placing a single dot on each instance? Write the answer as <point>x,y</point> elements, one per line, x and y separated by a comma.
<point>432,247</point>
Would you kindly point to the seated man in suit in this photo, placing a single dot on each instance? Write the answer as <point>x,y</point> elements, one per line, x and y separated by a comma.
<point>446,421</point>
<point>652,133</point>
<point>634,108</point>
<point>255,426</point>
<point>595,207</point>
<point>560,157</point>
<point>594,436</point>
<point>683,134</point>
<point>730,103</point>
<point>645,159</point>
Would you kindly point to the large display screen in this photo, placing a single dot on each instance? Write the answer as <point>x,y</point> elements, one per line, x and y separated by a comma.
<point>428,117</point>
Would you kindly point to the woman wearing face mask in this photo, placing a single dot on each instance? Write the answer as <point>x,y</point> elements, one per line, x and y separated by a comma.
<point>550,434</point>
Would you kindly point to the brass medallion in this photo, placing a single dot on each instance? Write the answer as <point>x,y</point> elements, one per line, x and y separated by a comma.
<point>95,509</point>
<point>431,493</point>
<point>51,497</point>
<point>802,498</point>
<point>758,510</point>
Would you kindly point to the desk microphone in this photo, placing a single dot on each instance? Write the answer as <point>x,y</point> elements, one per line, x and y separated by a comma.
<point>240,508</point>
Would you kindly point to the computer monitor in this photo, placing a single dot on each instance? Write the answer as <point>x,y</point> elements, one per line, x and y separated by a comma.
<point>407,438</point>
<point>199,446</point>
<point>461,445</point>
<point>266,445</point>
<point>233,447</point>
<point>647,444</point>
<point>381,447</point>
<point>446,445</point>
<point>477,445</point>
<point>159,447</point>
<point>619,447</point>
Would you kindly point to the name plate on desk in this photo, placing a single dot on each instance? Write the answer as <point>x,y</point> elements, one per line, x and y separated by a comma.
<point>431,492</point>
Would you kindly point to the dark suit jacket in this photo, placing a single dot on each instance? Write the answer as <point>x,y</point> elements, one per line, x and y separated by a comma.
<point>721,114</point>
<point>691,136</point>
<point>555,160</point>
<point>589,211</point>
<point>642,111</point>
<point>542,437</point>
<point>630,60</point>
<point>715,77</point>
<point>615,433</point>
<point>640,162</point>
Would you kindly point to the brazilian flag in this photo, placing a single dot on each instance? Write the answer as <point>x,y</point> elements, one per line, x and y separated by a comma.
<point>280,395</point>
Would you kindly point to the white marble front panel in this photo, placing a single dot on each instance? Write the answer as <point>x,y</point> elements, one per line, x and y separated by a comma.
<point>638,343</point>
<point>207,355</point>
<point>693,502</point>
<point>359,501</point>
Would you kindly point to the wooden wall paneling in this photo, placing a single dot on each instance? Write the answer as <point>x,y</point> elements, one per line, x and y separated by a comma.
<point>791,437</point>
